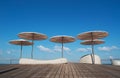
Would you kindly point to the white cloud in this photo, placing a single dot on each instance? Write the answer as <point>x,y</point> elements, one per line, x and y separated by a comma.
<point>106,48</point>
<point>66,49</point>
<point>111,57</point>
<point>89,49</point>
<point>55,49</point>
<point>115,47</point>
<point>11,51</point>
<point>69,53</point>
<point>58,49</point>
<point>83,50</point>
<point>8,52</point>
<point>44,49</point>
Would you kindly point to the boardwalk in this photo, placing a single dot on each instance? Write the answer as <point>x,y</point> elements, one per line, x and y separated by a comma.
<point>60,71</point>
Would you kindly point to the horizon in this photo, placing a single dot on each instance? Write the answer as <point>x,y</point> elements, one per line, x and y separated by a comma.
<point>62,17</point>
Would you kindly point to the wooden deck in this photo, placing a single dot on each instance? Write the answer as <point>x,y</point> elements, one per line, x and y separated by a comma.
<point>71,70</point>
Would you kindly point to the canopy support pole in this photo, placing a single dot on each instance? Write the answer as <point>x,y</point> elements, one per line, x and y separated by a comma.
<point>32,50</point>
<point>93,57</point>
<point>62,47</point>
<point>32,46</point>
<point>21,51</point>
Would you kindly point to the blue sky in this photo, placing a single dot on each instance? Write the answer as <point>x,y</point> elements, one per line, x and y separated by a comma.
<point>59,17</point>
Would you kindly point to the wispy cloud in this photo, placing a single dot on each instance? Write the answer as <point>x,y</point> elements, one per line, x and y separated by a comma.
<point>111,57</point>
<point>106,48</point>
<point>44,49</point>
<point>83,50</point>
<point>9,52</point>
<point>58,49</point>
<point>54,49</point>
<point>66,49</point>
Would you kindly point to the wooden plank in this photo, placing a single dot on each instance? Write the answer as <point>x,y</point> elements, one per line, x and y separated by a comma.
<point>66,71</point>
<point>111,72</point>
<point>58,72</point>
<point>74,71</point>
<point>77,71</point>
<point>53,69</point>
<point>69,70</point>
<point>9,74</point>
<point>28,73</point>
<point>41,73</point>
<point>7,67</point>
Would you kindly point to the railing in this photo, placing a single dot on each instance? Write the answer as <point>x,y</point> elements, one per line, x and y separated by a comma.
<point>9,61</point>
<point>106,61</point>
<point>16,61</point>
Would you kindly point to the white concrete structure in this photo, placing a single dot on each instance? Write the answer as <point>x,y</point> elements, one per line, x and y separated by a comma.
<point>87,59</point>
<point>33,61</point>
<point>116,62</point>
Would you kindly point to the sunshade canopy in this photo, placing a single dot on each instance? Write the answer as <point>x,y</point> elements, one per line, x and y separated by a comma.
<point>94,42</point>
<point>21,42</point>
<point>32,36</point>
<point>92,35</point>
<point>62,39</point>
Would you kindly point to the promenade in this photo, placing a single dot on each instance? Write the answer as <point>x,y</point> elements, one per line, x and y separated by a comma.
<point>70,70</point>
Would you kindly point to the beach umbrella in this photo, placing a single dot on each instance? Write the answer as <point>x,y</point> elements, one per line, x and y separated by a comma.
<point>32,36</point>
<point>21,42</point>
<point>92,43</point>
<point>91,35</point>
<point>62,39</point>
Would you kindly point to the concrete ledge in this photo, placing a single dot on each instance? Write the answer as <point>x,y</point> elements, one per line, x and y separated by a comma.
<point>87,59</point>
<point>116,62</point>
<point>34,61</point>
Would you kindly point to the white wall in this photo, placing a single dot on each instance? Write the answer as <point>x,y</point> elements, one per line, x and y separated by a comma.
<point>87,59</point>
